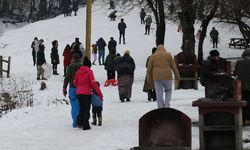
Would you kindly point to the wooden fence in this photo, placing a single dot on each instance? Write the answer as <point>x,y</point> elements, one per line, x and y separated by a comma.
<point>2,61</point>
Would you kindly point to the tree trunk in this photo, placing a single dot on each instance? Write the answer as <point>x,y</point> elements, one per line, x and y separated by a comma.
<point>204,25</point>
<point>187,17</point>
<point>161,26</point>
<point>158,10</point>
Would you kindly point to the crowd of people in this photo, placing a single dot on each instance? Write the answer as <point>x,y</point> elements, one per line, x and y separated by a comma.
<point>83,90</point>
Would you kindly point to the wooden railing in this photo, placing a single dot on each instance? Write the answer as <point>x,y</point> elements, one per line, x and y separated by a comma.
<point>2,61</point>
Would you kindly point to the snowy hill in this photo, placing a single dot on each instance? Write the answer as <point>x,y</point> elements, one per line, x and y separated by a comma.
<point>47,125</point>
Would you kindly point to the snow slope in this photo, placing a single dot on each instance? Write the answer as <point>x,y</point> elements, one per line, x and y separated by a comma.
<point>47,125</point>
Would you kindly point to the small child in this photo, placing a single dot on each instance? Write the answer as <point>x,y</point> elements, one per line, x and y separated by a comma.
<point>94,53</point>
<point>97,107</point>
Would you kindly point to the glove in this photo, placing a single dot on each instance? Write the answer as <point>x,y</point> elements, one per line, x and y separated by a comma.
<point>64,92</point>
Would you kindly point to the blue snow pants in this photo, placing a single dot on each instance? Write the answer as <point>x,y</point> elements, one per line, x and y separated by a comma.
<point>75,107</point>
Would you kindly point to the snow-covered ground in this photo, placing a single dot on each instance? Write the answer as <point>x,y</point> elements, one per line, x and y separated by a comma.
<point>47,125</point>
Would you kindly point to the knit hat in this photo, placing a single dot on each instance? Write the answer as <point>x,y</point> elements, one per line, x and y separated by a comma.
<point>76,57</point>
<point>86,62</point>
<point>246,52</point>
<point>214,53</point>
<point>126,52</point>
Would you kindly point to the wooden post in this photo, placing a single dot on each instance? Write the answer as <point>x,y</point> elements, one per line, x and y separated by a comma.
<point>8,69</point>
<point>1,66</point>
<point>88,28</point>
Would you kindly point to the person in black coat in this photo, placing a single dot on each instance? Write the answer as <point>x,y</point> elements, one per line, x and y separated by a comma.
<point>40,60</point>
<point>112,46</point>
<point>110,68</point>
<point>66,7</point>
<point>75,6</point>
<point>121,27</point>
<point>54,57</point>
<point>125,70</point>
<point>214,34</point>
<point>214,65</point>
<point>101,44</point>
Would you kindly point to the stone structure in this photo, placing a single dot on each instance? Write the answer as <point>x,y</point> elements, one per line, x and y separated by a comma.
<point>220,114</point>
<point>164,129</point>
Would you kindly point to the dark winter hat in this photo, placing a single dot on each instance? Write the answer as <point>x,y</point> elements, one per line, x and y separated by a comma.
<point>214,53</point>
<point>246,53</point>
<point>77,39</point>
<point>76,57</point>
<point>86,62</point>
<point>54,42</point>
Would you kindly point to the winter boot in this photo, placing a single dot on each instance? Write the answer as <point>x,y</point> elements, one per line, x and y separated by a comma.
<point>107,83</point>
<point>114,82</point>
<point>55,73</point>
<point>149,96</point>
<point>94,119</point>
<point>99,121</point>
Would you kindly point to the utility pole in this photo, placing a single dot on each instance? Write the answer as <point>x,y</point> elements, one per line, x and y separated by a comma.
<point>88,28</point>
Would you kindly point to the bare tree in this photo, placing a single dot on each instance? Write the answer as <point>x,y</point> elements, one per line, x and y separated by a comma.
<point>205,13</point>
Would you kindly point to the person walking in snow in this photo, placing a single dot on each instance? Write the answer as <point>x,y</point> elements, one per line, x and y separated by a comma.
<point>148,22</point>
<point>97,107</point>
<point>109,66</point>
<point>84,82</point>
<point>54,57</point>
<point>160,67</point>
<point>142,15</point>
<point>66,7</point>
<point>121,27</point>
<point>101,44</point>
<point>94,53</point>
<point>214,34</point>
<point>242,73</point>
<point>112,45</point>
<point>35,48</point>
<point>75,6</point>
<point>69,80</point>
<point>67,56</point>
<point>77,47</point>
<point>40,61</point>
<point>125,70</point>
<point>149,87</point>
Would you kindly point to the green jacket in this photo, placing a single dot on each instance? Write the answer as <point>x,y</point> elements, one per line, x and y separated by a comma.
<point>70,74</point>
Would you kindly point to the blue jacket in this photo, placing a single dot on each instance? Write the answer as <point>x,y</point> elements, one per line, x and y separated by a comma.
<point>96,101</point>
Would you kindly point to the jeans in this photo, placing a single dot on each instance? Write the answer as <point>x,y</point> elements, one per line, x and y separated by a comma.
<point>101,54</point>
<point>160,86</point>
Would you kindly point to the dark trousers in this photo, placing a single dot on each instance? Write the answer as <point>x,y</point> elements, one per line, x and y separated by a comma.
<point>84,115</point>
<point>97,111</point>
<point>34,59</point>
<point>246,109</point>
<point>142,20</point>
<point>122,34</point>
<point>111,74</point>
<point>54,68</point>
<point>215,42</point>
<point>147,29</point>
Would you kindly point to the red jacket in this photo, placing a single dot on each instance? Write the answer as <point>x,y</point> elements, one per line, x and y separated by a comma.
<point>85,81</point>
<point>67,57</point>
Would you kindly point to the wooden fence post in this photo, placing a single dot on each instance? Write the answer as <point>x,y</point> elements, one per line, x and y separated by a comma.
<point>1,66</point>
<point>8,69</point>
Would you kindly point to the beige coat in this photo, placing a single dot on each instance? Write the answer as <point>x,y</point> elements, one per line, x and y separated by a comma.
<point>161,65</point>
